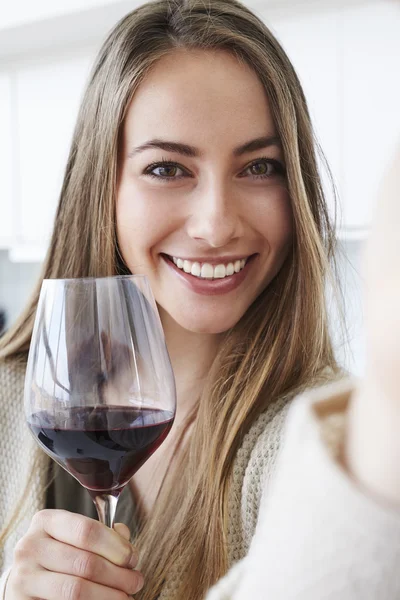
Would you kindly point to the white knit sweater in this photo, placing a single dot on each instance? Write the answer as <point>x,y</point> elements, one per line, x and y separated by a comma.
<point>317,535</point>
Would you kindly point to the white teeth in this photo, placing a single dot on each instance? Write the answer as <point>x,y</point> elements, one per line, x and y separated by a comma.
<point>230,269</point>
<point>219,272</point>
<point>196,269</point>
<point>207,271</point>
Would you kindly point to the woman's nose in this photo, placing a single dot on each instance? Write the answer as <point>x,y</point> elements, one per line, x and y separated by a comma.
<point>215,218</point>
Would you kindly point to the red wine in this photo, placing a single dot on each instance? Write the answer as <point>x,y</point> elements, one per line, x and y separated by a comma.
<point>102,446</point>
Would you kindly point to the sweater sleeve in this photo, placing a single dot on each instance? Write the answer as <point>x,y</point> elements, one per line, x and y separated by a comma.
<point>319,536</point>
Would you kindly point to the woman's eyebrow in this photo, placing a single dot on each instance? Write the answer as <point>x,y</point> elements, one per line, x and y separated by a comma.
<point>258,144</point>
<point>193,152</point>
<point>177,147</point>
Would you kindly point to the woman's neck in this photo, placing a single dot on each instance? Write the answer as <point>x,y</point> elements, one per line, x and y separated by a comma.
<point>191,356</point>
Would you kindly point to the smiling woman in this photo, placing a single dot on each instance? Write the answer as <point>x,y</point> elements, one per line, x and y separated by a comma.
<point>199,144</point>
<point>193,162</point>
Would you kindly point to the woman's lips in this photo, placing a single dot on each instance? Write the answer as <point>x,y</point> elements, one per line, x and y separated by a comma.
<point>211,287</point>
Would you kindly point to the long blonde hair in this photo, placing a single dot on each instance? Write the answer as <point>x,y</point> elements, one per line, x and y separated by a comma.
<point>282,343</point>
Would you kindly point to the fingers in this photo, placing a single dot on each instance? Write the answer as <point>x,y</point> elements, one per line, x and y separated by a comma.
<point>123,530</point>
<point>62,558</point>
<point>64,555</point>
<point>86,534</point>
<point>54,586</point>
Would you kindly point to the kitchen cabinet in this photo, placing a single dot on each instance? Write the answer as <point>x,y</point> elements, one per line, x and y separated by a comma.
<point>7,162</point>
<point>47,96</point>
<point>312,44</point>
<point>348,62</point>
<point>370,46</point>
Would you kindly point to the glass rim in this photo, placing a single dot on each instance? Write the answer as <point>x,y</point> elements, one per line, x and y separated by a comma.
<point>92,279</point>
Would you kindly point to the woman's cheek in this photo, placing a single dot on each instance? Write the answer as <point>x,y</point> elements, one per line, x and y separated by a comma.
<point>273,216</point>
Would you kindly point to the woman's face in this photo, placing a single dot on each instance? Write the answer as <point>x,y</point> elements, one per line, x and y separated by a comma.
<point>203,208</point>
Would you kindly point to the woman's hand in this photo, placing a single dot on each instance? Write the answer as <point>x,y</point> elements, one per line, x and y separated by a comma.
<point>373,447</point>
<point>65,556</point>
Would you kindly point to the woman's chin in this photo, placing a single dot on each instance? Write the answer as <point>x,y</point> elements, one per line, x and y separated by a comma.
<point>200,318</point>
<point>211,325</point>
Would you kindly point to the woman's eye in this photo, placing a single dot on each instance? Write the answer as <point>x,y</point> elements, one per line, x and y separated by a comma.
<point>164,171</point>
<point>167,171</point>
<point>260,168</point>
<point>265,168</point>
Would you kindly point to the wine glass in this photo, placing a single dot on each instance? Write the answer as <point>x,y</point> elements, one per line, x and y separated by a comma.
<point>99,389</point>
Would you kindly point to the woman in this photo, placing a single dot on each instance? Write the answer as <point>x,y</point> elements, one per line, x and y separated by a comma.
<point>192,162</point>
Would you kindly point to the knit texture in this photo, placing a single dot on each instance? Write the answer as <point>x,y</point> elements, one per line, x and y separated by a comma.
<point>251,468</point>
<point>306,530</point>
<point>319,536</point>
<point>20,459</point>
<point>19,453</point>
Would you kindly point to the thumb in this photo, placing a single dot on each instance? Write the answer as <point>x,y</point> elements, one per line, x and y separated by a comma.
<point>123,531</point>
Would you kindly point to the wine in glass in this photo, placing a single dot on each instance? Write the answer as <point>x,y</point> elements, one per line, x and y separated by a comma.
<point>99,389</point>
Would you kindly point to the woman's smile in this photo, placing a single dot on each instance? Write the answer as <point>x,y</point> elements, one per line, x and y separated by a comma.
<point>219,276</point>
<point>203,207</point>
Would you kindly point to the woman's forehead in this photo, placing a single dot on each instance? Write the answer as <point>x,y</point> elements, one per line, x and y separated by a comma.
<point>196,95</point>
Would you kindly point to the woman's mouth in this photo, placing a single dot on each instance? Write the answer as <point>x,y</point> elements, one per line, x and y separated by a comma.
<point>206,270</point>
<point>211,279</point>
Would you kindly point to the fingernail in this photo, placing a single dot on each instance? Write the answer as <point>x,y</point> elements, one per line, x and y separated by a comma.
<point>140,581</point>
<point>123,531</point>
<point>133,561</point>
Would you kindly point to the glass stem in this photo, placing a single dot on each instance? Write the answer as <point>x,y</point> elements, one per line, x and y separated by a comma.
<point>106,505</point>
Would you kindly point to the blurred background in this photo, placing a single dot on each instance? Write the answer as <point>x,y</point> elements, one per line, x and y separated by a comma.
<point>347,56</point>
